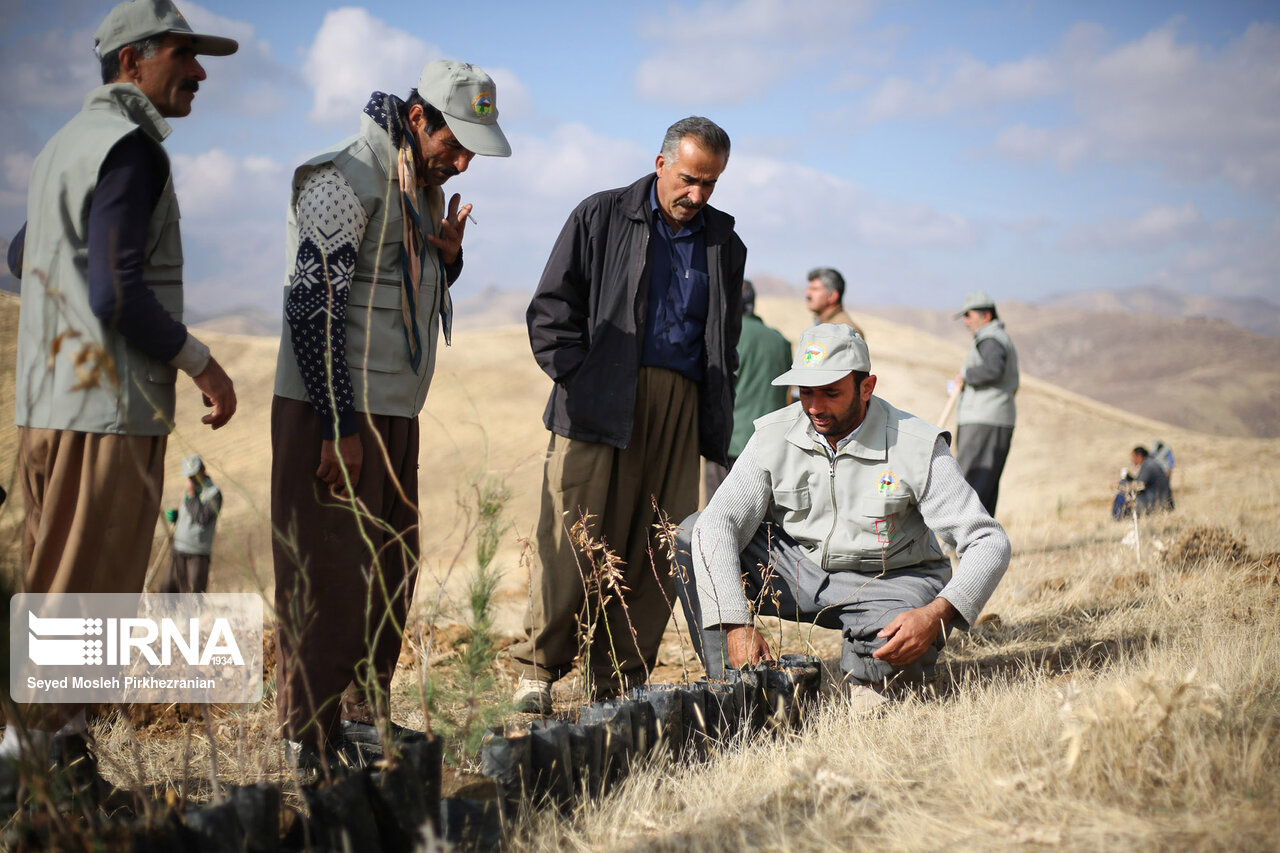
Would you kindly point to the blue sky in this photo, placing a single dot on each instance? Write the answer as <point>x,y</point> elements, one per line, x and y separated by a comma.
<point>925,149</point>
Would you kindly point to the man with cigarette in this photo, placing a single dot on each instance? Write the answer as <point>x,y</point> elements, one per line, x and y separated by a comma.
<point>373,252</point>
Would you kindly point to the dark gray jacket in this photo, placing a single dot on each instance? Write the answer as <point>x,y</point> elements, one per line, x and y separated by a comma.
<point>586,320</point>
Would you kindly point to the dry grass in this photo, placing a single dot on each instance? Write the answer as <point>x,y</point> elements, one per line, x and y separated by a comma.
<point>1122,698</point>
<point>1138,715</point>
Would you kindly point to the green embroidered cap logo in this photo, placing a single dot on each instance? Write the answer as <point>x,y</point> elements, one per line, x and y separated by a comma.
<point>483,105</point>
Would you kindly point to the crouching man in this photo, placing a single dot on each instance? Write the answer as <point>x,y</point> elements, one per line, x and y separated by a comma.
<point>832,515</point>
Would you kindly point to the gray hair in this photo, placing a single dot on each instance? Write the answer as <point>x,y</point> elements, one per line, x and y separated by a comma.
<point>146,49</point>
<point>831,280</point>
<point>709,136</point>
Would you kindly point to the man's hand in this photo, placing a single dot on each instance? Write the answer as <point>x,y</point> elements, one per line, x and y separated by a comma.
<point>912,632</point>
<point>452,228</point>
<point>334,455</point>
<point>746,645</point>
<point>218,392</point>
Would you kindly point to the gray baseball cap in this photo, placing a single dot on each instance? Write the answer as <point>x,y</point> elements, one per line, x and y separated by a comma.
<point>469,100</point>
<point>826,354</point>
<point>979,300</point>
<point>134,20</point>
<point>191,465</point>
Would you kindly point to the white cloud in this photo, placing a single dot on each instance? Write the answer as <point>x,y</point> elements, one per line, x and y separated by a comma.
<point>1157,228</point>
<point>216,184</point>
<point>249,82</point>
<point>355,53</point>
<point>1064,148</point>
<point>817,211</point>
<point>970,84</point>
<point>730,51</point>
<point>233,216</point>
<point>1199,113</point>
<point>16,175</point>
<point>33,79</point>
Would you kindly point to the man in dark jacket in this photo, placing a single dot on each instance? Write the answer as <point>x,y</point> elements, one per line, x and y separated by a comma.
<point>636,319</point>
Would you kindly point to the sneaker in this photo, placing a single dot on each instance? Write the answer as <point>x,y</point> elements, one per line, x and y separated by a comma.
<point>533,696</point>
<point>367,734</point>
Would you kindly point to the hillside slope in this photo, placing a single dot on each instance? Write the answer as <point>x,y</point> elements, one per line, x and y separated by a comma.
<point>1194,372</point>
<point>483,418</point>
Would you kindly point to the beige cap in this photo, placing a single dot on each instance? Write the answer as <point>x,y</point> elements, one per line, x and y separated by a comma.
<point>977,301</point>
<point>826,354</point>
<point>134,20</point>
<point>469,100</point>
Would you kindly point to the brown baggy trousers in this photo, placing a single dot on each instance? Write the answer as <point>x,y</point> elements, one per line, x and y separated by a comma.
<point>618,488</point>
<point>92,501</point>
<point>334,629</point>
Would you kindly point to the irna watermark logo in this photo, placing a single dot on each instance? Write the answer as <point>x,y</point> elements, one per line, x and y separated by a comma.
<point>136,648</point>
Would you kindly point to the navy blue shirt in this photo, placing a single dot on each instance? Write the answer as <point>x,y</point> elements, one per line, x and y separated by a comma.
<point>129,185</point>
<point>679,296</point>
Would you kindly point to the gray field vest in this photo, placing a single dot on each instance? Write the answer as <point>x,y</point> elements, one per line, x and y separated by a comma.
<point>190,537</point>
<point>382,381</point>
<point>990,404</point>
<point>859,511</point>
<point>114,387</point>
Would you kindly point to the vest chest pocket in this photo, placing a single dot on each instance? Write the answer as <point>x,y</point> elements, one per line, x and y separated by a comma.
<point>792,504</point>
<point>164,236</point>
<point>374,314</point>
<point>882,507</point>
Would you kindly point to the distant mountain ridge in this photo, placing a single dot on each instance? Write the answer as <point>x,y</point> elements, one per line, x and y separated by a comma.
<point>1255,314</point>
<point>1196,372</point>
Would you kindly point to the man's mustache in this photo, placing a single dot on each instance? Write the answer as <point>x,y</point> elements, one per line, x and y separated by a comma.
<point>190,85</point>
<point>684,202</point>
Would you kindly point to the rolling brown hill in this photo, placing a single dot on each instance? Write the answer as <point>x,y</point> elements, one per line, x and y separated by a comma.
<point>483,418</point>
<point>1197,373</point>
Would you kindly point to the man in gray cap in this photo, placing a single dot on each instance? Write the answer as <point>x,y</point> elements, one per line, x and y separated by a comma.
<point>100,337</point>
<point>986,411</point>
<point>373,252</point>
<point>196,522</point>
<point>831,515</point>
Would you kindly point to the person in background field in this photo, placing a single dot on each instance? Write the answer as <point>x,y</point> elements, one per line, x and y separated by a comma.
<point>636,319</point>
<point>985,412</point>
<point>763,353</point>
<point>100,342</point>
<point>1144,493</point>
<point>196,523</point>
<point>373,251</point>
<point>832,515</point>
<point>1163,454</point>
<point>824,297</point>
